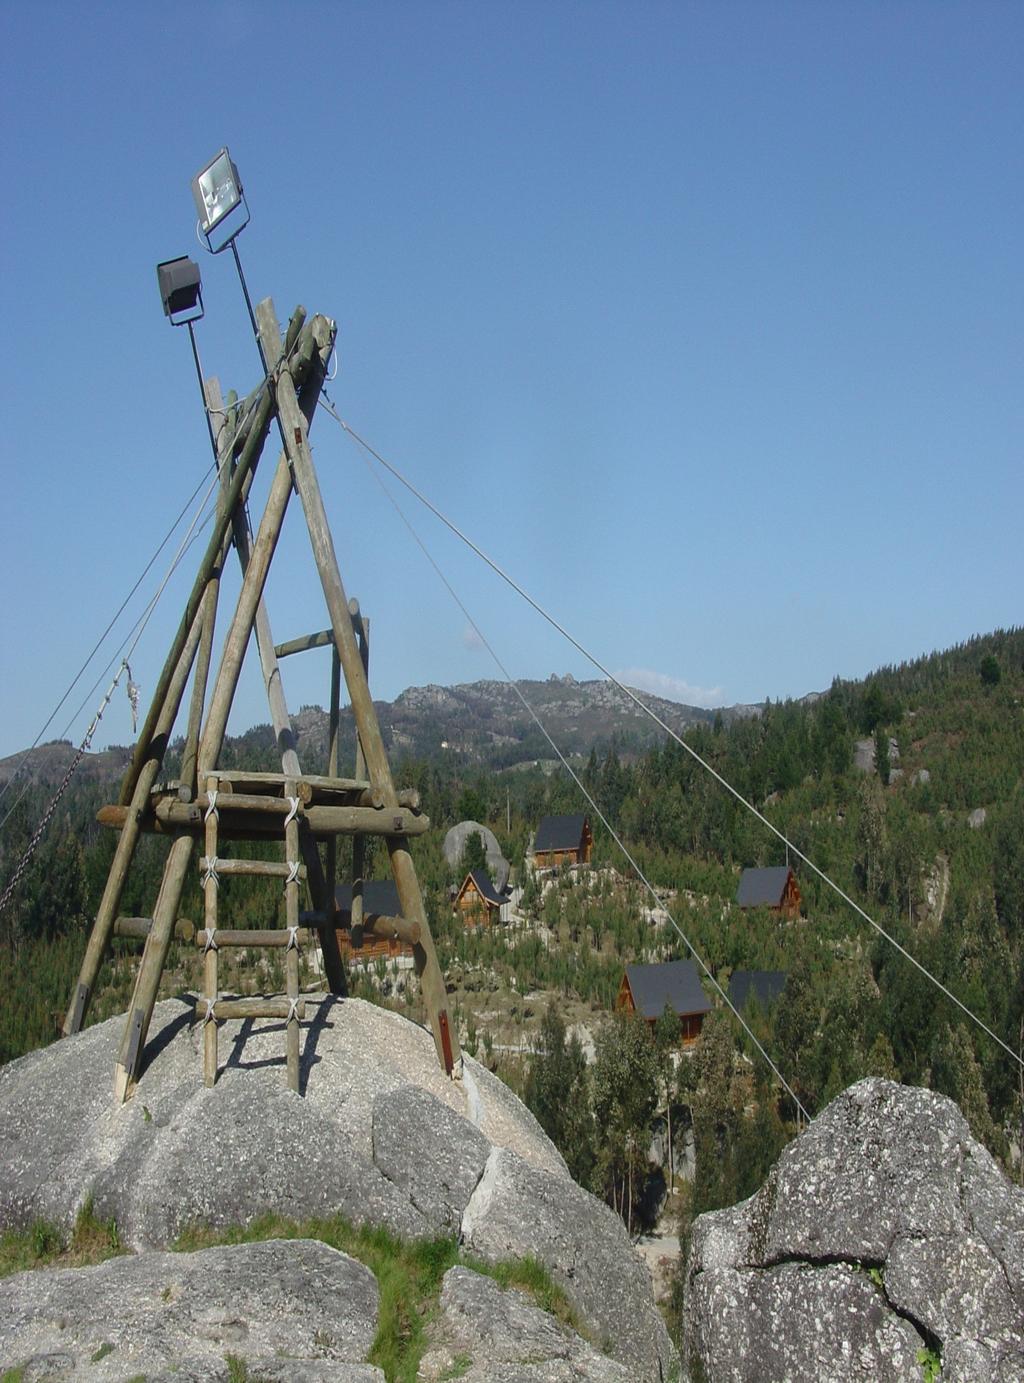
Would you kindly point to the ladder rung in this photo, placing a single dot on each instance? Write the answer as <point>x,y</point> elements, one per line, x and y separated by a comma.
<point>276,937</point>
<point>265,869</point>
<point>253,1008</point>
<point>248,802</point>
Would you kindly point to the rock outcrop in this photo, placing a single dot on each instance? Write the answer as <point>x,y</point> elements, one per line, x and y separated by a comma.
<point>500,1338</point>
<point>380,1136</point>
<point>883,1237</point>
<point>295,1311</point>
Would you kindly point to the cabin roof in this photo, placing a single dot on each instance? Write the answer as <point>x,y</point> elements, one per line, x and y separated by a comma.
<point>763,887</point>
<point>560,833</point>
<point>673,982</point>
<point>380,896</point>
<point>763,985</point>
<point>484,887</point>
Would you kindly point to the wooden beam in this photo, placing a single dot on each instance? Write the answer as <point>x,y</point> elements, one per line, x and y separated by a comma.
<point>169,815</point>
<point>296,443</point>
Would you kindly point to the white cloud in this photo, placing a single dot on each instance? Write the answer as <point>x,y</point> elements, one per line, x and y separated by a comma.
<point>670,688</point>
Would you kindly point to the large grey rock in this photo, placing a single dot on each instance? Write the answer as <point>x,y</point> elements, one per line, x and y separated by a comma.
<point>290,1309</point>
<point>380,1135</point>
<point>518,1211</point>
<point>455,843</point>
<point>179,1153</point>
<point>432,1154</point>
<point>887,1178</point>
<point>497,1336</point>
<point>797,1321</point>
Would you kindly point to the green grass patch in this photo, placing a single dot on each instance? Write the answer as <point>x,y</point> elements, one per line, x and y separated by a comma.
<point>408,1277</point>
<point>530,1277</point>
<point>43,1246</point>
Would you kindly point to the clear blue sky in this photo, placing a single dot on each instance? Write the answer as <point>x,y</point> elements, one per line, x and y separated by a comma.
<point>704,319</point>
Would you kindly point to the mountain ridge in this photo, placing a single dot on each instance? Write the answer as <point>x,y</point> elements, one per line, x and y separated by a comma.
<point>484,722</point>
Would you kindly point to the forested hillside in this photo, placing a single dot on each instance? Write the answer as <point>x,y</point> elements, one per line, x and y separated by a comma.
<point>929,839</point>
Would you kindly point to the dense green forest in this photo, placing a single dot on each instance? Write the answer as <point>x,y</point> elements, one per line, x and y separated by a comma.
<point>929,841</point>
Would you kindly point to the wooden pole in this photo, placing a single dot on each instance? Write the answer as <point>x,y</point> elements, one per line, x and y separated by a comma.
<point>362,628</point>
<point>331,853</point>
<point>210,976</point>
<point>190,754</point>
<point>99,937</point>
<point>291,955</point>
<point>147,980</point>
<point>323,334</point>
<point>294,437</point>
<point>248,454</point>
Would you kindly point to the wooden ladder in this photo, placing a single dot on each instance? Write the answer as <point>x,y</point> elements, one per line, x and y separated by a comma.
<point>289,938</point>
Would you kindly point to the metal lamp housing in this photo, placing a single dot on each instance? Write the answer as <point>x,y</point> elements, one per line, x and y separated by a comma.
<point>181,289</point>
<point>217,190</point>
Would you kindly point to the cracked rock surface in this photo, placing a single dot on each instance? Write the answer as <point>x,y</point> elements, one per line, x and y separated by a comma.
<point>518,1211</point>
<point>884,1229</point>
<point>295,1310</point>
<point>496,1336</point>
<point>380,1136</point>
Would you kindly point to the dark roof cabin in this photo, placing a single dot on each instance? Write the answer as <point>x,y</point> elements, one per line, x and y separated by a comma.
<point>478,900</point>
<point>646,989</point>
<point>763,986</point>
<point>774,888</point>
<point>380,899</point>
<point>562,840</point>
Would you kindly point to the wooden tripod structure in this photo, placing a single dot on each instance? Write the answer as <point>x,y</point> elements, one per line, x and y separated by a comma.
<point>302,810</point>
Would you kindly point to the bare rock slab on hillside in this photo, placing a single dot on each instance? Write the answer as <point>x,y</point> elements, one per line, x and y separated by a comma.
<point>292,1310</point>
<point>883,1230</point>
<point>520,1211</point>
<point>179,1153</point>
<point>380,1136</point>
<point>497,1336</point>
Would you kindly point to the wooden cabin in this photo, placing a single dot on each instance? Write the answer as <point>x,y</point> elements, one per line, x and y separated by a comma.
<point>380,898</point>
<point>646,989</point>
<point>762,987</point>
<point>562,840</point>
<point>478,901</point>
<point>774,888</point>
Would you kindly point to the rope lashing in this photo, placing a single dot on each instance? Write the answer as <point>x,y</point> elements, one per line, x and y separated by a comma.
<point>293,809</point>
<point>210,875</point>
<point>293,939</point>
<point>293,1010</point>
<point>211,940</point>
<point>211,810</point>
<point>293,872</point>
<point>209,1016</point>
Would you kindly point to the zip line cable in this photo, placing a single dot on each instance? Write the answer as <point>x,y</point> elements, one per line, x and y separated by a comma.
<point>99,642</point>
<point>628,691</point>
<point>139,629</point>
<point>194,528</point>
<point>587,795</point>
<point>250,410</point>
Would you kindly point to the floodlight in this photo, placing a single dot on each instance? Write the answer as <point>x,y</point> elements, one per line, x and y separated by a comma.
<point>217,191</point>
<point>181,290</point>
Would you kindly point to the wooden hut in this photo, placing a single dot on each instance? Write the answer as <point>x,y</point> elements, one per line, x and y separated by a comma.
<point>562,840</point>
<point>380,899</point>
<point>774,888</point>
<point>478,901</point>
<point>646,989</point>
